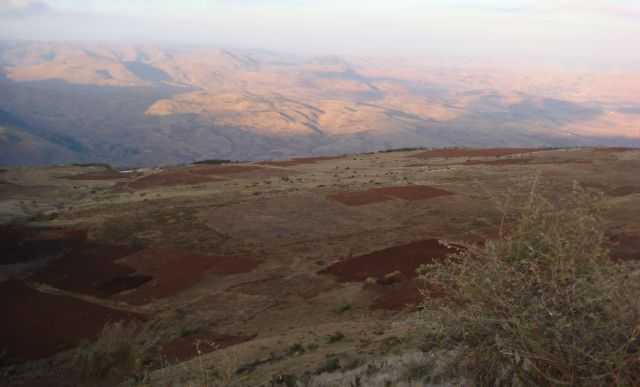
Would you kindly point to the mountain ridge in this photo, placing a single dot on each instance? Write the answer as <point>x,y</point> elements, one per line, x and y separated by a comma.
<point>149,105</point>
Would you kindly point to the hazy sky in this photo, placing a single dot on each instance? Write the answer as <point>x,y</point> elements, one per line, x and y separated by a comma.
<point>569,32</point>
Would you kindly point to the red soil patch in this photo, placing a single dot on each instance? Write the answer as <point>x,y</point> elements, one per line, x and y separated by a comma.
<point>401,295</point>
<point>185,348</point>
<point>224,170</point>
<point>360,198</point>
<point>405,259</point>
<point>413,192</point>
<point>88,269</point>
<point>37,325</point>
<point>398,296</point>
<point>107,270</point>
<point>120,284</point>
<point>102,175</point>
<point>300,161</point>
<point>462,152</point>
<point>375,195</point>
<point>625,247</point>
<point>170,178</point>
<point>20,244</point>
<point>174,271</point>
<point>498,162</point>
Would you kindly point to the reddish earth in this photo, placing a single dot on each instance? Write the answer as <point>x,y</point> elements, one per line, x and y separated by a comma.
<point>37,325</point>
<point>375,195</point>
<point>462,152</point>
<point>360,198</point>
<point>88,269</point>
<point>398,296</point>
<point>625,247</point>
<point>413,192</point>
<point>169,178</point>
<point>224,170</point>
<point>174,271</point>
<point>300,161</point>
<point>120,284</point>
<point>107,270</point>
<point>498,162</point>
<point>19,244</point>
<point>404,258</point>
<point>402,295</point>
<point>102,175</point>
<point>185,348</point>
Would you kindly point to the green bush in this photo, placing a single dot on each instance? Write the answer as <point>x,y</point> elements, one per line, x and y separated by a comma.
<point>541,305</point>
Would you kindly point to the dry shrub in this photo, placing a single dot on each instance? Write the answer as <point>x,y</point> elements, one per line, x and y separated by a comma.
<point>542,305</point>
<point>406,370</point>
<point>122,351</point>
<point>222,373</point>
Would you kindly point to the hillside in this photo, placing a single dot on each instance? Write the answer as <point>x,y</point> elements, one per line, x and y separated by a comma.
<point>272,271</point>
<point>150,105</point>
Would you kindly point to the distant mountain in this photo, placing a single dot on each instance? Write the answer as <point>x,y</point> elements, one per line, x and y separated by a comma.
<point>25,145</point>
<point>149,105</point>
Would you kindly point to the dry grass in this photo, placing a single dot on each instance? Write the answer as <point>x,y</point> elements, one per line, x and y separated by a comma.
<point>122,351</point>
<point>406,370</point>
<point>542,305</point>
<point>201,373</point>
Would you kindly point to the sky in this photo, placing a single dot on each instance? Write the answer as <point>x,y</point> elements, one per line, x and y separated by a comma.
<point>571,33</point>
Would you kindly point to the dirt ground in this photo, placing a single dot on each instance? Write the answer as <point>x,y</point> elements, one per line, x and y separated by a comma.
<point>21,244</point>
<point>168,178</point>
<point>375,195</point>
<point>36,324</point>
<point>281,264</point>
<point>404,259</point>
<point>300,161</point>
<point>462,152</point>
<point>100,175</point>
<point>224,170</point>
<point>89,268</point>
<point>170,272</point>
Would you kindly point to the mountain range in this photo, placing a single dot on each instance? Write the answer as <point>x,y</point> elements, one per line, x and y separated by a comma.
<point>138,105</point>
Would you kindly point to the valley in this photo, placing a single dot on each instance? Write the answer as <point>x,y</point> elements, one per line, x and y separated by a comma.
<point>153,105</point>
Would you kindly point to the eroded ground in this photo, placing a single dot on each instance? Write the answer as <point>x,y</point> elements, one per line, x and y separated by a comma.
<point>281,264</point>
